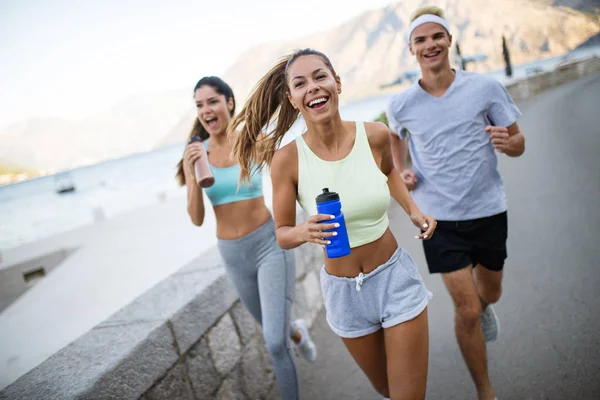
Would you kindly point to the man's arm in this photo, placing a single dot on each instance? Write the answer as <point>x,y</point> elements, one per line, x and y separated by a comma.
<point>516,141</point>
<point>399,151</point>
<point>503,113</point>
<point>399,155</point>
<point>509,141</point>
<point>399,146</point>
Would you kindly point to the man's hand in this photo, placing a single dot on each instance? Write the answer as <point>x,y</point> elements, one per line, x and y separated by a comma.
<point>499,137</point>
<point>409,178</point>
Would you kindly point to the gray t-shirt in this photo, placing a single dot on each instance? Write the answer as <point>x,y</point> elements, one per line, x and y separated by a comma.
<point>452,155</point>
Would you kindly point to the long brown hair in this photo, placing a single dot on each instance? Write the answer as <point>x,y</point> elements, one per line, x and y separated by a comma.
<point>255,144</point>
<point>197,129</point>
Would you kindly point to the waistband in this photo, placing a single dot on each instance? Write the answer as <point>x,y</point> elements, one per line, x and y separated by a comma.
<point>358,280</point>
<point>264,232</point>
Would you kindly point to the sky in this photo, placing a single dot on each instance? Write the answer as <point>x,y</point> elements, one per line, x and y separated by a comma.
<point>72,59</point>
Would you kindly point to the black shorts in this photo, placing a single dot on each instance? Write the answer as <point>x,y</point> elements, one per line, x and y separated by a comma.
<point>458,244</point>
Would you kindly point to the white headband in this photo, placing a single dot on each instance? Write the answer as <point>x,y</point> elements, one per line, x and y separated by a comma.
<point>423,19</point>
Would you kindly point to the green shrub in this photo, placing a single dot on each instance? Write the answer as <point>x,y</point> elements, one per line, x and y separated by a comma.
<point>382,118</point>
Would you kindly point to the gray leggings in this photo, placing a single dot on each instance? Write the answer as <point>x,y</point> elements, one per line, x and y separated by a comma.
<point>264,276</point>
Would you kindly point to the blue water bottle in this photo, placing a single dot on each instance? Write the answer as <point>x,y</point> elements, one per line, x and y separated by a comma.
<point>329,203</point>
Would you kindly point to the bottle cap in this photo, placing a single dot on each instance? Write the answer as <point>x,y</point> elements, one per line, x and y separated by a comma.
<point>195,139</point>
<point>327,196</point>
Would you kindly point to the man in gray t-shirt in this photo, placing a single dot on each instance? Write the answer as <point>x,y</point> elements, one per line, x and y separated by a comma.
<point>453,158</point>
<point>455,122</point>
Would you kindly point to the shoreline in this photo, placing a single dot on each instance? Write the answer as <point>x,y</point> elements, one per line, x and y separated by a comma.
<point>17,175</point>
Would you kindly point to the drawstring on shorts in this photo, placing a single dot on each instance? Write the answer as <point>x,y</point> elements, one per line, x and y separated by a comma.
<point>359,281</point>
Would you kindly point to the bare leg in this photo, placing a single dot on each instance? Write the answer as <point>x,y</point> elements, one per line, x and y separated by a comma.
<point>470,339</point>
<point>407,348</point>
<point>488,284</point>
<point>369,353</point>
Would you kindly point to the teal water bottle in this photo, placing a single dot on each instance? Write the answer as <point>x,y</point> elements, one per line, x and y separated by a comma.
<point>329,203</point>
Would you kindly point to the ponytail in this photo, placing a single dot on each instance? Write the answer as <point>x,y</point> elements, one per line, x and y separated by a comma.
<point>253,149</point>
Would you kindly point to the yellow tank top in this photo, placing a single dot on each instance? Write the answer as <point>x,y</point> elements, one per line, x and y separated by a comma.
<point>362,187</point>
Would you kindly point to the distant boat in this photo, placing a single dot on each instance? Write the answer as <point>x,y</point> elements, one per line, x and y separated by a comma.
<point>64,184</point>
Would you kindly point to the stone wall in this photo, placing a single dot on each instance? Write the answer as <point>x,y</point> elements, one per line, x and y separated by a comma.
<point>529,87</point>
<point>186,338</point>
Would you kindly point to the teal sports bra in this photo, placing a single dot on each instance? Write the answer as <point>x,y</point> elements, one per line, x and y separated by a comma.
<point>225,189</point>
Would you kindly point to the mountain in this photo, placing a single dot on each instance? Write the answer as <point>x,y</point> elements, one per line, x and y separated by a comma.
<point>591,42</point>
<point>370,49</point>
<point>180,132</point>
<point>589,6</point>
<point>134,125</point>
<point>367,51</point>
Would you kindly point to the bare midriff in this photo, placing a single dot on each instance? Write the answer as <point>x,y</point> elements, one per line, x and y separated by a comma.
<point>235,220</point>
<point>364,258</point>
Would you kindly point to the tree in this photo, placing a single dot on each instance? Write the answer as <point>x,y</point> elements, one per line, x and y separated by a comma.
<point>506,55</point>
<point>461,63</point>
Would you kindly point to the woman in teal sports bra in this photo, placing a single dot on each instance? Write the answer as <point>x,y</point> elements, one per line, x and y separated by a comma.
<point>375,299</point>
<point>262,273</point>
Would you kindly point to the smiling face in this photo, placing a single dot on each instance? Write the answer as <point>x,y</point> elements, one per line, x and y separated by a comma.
<point>313,88</point>
<point>213,110</point>
<point>430,43</point>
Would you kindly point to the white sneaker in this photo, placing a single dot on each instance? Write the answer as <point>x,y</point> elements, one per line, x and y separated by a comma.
<point>490,324</point>
<point>307,347</point>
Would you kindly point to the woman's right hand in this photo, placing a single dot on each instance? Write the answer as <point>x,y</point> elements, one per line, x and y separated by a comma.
<point>193,152</point>
<point>312,229</point>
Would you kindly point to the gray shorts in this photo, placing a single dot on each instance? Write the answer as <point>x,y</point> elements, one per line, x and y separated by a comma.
<point>390,294</point>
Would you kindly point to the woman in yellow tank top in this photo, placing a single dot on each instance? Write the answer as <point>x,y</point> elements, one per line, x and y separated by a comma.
<point>378,284</point>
